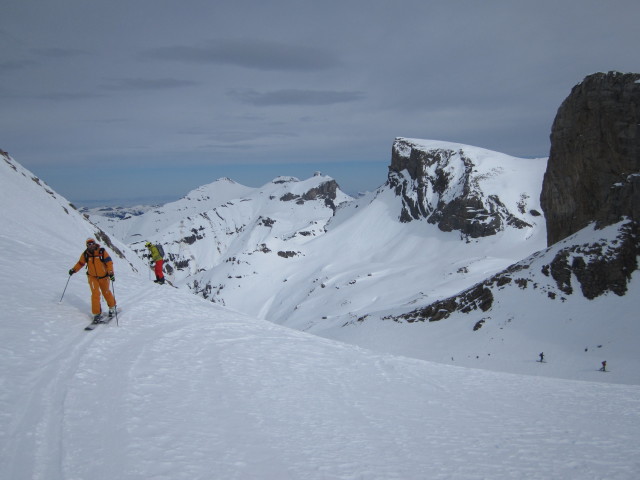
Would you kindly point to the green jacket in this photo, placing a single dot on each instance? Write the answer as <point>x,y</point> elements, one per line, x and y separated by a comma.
<point>155,255</point>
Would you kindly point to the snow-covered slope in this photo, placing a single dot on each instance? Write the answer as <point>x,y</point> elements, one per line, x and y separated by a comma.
<point>120,213</point>
<point>134,228</point>
<point>219,221</point>
<point>185,389</point>
<point>33,210</point>
<point>506,320</point>
<point>370,260</point>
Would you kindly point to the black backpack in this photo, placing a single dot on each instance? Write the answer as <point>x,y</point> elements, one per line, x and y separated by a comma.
<point>160,250</point>
<point>100,254</point>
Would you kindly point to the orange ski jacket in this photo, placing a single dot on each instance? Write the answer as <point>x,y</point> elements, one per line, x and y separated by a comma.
<point>98,262</point>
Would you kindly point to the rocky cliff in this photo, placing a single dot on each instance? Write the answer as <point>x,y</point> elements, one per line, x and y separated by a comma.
<point>452,186</point>
<point>591,201</point>
<point>327,191</point>
<point>593,173</point>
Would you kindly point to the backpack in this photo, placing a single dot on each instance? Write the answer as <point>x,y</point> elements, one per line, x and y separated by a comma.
<point>100,254</point>
<point>160,250</point>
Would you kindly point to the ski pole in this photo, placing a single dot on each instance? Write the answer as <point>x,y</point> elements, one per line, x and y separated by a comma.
<point>65,289</point>
<point>113,286</point>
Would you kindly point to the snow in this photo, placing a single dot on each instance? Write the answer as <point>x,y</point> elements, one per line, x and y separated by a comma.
<point>197,201</point>
<point>185,389</point>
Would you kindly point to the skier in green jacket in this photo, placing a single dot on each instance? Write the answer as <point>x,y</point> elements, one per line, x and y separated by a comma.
<point>156,262</point>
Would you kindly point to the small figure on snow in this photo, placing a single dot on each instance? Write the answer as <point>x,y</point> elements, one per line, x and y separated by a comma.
<point>604,366</point>
<point>99,272</point>
<point>156,261</point>
<point>541,357</point>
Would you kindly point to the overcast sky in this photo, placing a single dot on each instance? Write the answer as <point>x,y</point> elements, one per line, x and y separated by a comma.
<point>125,100</point>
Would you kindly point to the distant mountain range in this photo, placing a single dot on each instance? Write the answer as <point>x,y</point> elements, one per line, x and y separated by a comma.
<point>448,215</point>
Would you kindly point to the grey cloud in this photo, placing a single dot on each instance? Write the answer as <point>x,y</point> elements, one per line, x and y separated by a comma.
<point>140,84</point>
<point>225,137</point>
<point>59,52</point>
<point>40,53</point>
<point>296,97</point>
<point>16,65</point>
<point>254,54</point>
<point>233,137</point>
<point>343,78</point>
<point>66,96</point>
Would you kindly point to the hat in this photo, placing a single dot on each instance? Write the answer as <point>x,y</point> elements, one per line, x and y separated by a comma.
<point>91,240</point>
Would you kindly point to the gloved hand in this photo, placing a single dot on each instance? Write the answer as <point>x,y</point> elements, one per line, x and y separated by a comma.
<point>152,264</point>
<point>112,277</point>
<point>72,271</point>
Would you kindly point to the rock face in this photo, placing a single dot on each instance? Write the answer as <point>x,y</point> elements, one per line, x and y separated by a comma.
<point>442,183</point>
<point>593,173</point>
<point>598,267</point>
<point>326,191</point>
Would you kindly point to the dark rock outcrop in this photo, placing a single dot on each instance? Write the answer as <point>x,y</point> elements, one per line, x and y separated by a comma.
<point>599,267</point>
<point>326,191</point>
<point>441,186</point>
<point>593,173</point>
<point>479,297</point>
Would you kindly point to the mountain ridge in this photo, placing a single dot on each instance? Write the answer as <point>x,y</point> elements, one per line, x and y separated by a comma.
<point>237,237</point>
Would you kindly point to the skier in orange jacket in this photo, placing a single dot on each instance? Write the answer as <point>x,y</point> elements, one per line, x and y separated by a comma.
<point>99,272</point>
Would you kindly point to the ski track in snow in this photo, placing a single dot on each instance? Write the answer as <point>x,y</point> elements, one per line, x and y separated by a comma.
<point>244,399</point>
<point>212,394</point>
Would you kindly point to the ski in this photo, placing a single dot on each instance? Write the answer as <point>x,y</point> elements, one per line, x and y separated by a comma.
<point>95,323</point>
<point>104,319</point>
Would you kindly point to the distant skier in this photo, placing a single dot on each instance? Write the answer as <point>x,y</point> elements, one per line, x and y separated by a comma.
<point>604,366</point>
<point>156,262</point>
<point>541,357</point>
<point>99,272</point>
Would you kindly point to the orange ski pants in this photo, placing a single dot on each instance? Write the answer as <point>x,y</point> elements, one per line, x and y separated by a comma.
<point>97,286</point>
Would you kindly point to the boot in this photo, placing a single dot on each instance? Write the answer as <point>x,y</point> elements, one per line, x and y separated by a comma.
<point>112,311</point>
<point>96,318</point>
